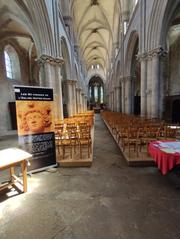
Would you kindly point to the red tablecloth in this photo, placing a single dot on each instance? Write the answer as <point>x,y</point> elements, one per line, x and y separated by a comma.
<point>165,157</point>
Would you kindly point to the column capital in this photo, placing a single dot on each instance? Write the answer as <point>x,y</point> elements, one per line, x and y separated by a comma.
<point>50,60</point>
<point>156,52</point>
<point>70,82</point>
<point>78,89</point>
<point>142,57</point>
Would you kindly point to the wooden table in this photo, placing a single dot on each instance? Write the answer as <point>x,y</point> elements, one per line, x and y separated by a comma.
<point>11,157</point>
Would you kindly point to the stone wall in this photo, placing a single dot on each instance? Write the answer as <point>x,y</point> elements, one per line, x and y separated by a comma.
<point>174,68</point>
<point>6,88</point>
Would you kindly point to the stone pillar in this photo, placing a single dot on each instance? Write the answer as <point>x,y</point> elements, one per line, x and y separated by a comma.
<point>74,97</point>
<point>155,86</point>
<point>78,90</point>
<point>149,87</point>
<point>111,100</point>
<point>85,103</point>
<point>114,100</point>
<point>163,76</point>
<point>120,98</point>
<point>154,100</point>
<point>117,90</point>
<point>128,95</point>
<point>143,59</point>
<point>50,76</point>
<point>70,106</point>
<point>107,101</point>
<point>154,78</point>
<point>82,102</point>
<point>58,95</point>
<point>123,95</point>
<point>77,105</point>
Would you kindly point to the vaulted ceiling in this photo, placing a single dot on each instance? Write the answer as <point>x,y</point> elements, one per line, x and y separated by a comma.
<point>97,27</point>
<point>11,29</point>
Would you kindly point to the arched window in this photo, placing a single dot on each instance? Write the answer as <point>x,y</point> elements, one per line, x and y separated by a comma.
<point>102,96</point>
<point>8,64</point>
<point>12,65</point>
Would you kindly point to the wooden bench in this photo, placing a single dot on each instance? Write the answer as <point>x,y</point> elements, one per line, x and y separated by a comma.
<point>11,157</point>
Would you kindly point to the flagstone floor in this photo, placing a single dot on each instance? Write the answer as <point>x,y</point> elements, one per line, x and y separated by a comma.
<point>108,200</point>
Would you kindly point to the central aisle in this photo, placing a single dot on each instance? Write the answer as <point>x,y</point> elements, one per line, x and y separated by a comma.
<point>107,201</point>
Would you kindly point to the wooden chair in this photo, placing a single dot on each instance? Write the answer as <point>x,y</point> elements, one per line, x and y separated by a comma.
<point>85,140</point>
<point>66,141</point>
<point>132,141</point>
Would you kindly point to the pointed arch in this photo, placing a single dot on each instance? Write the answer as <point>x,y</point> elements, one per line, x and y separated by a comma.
<point>130,49</point>
<point>66,57</point>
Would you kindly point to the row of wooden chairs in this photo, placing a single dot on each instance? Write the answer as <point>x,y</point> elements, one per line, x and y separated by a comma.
<point>132,132</point>
<point>73,134</point>
<point>74,138</point>
<point>77,119</point>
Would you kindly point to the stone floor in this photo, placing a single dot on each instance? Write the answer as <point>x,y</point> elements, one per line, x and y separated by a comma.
<point>106,201</point>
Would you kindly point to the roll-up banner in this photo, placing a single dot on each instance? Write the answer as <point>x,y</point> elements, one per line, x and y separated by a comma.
<point>35,123</point>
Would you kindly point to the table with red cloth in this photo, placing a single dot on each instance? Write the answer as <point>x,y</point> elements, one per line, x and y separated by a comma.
<point>165,153</point>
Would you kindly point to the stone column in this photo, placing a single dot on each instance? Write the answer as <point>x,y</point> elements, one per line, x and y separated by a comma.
<point>120,98</point>
<point>163,76</point>
<point>77,103</point>
<point>154,78</point>
<point>74,97</point>
<point>128,95</point>
<point>70,106</point>
<point>111,100</point>
<point>155,86</point>
<point>143,59</point>
<point>123,95</point>
<point>82,101</point>
<point>149,86</point>
<point>107,101</point>
<point>115,98</point>
<point>78,100</point>
<point>58,95</point>
<point>117,90</point>
<point>50,76</point>
<point>85,103</point>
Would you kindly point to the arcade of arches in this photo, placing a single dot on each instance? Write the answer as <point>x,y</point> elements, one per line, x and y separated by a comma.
<point>127,60</point>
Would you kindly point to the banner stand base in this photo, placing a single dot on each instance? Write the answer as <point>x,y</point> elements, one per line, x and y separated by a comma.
<point>42,169</point>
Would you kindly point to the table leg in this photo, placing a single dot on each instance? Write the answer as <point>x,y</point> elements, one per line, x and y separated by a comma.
<point>11,174</point>
<point>24,172</point>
